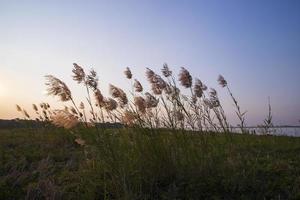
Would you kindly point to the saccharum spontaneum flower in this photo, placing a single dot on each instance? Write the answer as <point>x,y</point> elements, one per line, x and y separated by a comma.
<point>78,73</point>
<point>35,108</point>
<point>119,94</point>
<point>165,70</point>
<point>157,83</point>
<point>58,88</point>
<point>151,101</point>
<point>137,86</point>
<point>140,103</point>
<point>99,98</point>
<point>19,109</point>
<point>198,88</point>
<point>63,118</point>
<point>110,104</point>
<point>185,78</point>
<point>92,80</point>
<point>214,100</point>
<point>222,81</point>
<point>81,105</point>
<point>128,73</point>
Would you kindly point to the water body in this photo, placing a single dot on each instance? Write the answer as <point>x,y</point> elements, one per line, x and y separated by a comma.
<point>278,130</point>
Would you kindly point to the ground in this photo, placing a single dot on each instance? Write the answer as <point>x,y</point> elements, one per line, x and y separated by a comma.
<point>47,163</point>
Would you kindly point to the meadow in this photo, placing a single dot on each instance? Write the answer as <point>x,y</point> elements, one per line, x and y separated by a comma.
<point>172,142</point>
<point>133,163</point>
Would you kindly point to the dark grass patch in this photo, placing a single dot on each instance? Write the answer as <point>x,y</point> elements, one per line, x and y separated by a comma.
<point>147,164</point>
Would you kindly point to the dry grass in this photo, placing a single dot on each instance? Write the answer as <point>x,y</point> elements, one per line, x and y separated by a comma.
<point>192,107</point>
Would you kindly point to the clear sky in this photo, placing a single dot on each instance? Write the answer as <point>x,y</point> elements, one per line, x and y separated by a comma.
<point>254,44</point>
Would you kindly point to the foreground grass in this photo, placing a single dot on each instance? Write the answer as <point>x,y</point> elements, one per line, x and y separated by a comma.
<point>145,164</point>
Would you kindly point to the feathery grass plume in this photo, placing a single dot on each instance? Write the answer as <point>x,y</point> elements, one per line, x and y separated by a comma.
<point>64,119</point>
<point>19,109</point>
<point>222,81</point>
<point>35,108</point>
<point>149,74</point>
<point>92,80</point>
<point>151,101</point>
<point>45,107</point>
<point>25,113</point>
<point>157,83</point>
<point>165,70</point>
<point>185,78</point>
<point>198,88</point>
<point>66,109</point>
<point>128,73</point>
<point>72,109</point>
<point>239,113</point>
<point>110,104</point>
<point>214,100</point>
<point>138,86</point>
<point>119,94</point>
<point>129,118</point>
<point>99,98</point>
<point>194,99</point>
<point>78,73</point>
<point>81,105</point>
<point>140,103</point>
<point>58,88</point>
<point>168,89</point>
<point>208,103</point>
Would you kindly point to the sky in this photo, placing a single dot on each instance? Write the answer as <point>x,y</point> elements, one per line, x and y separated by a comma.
<point>254,44</point>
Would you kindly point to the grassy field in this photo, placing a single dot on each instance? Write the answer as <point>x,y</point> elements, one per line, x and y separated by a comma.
<point>146,164</point>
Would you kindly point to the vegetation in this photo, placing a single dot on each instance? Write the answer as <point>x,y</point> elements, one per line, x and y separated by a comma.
<point>51,163</point>
<point>165,106</point>
<point>168,145</point>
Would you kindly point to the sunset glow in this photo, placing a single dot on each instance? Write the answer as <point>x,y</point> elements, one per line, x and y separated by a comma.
<point>253,44</point>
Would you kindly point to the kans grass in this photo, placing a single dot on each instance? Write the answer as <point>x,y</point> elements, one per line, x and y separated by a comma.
<point>175,143</point>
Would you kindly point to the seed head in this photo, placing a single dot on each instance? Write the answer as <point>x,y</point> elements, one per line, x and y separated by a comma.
<point>138,86</point>
<point>19,109</point>
<point>58,88</point>
<point>110,104</point>
<point>78,73</point>
<point>92,80</point>
<point>72,109</point>
<point>129,118</point>
<point>99,98</point>
<point>128,73</point>
<point>151,101</point>
<point>222,81</point>
<point>185,78</point>
<point>119,94</point>
<point>140,103</point>
<point>198,88</point>
<point>64,119</point>
<point>165,70</point>
<point>149,74</point>
<point>208,103</point>
<point>81,105</point>
<point>25,113</point>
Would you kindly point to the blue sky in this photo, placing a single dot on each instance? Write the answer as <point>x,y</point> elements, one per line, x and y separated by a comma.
<point>254,44</point>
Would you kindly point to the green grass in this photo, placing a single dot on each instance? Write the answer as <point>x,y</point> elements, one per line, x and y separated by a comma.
<point>145,164</point>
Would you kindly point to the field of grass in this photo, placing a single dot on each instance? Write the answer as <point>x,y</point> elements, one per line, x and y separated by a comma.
<point>146,164</point>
